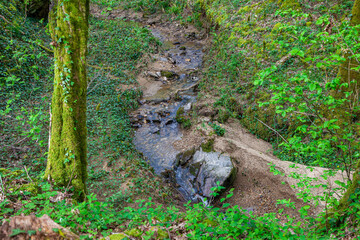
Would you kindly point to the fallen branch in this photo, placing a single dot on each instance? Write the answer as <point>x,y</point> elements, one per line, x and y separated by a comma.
<point>8,22</point>
<point>100,68</point>
<point>28,174</point>
<point>272,129</point>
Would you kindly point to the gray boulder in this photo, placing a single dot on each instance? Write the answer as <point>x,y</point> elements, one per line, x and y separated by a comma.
<point>202,172</point>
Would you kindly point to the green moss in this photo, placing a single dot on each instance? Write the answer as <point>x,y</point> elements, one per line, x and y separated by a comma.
<point>4,171</point>
<point>210,223</point>
<point>285,4</point>
<point>183,158</point>
<point>255,117</point>
<point>10,174</point>
<point>208,146</point>
<point>135,232</point>
<point>355,18</point>
<point>118,236</point>
<point>159,233</point>
<point>162,234</point>
<point>168,74</point>
<point>194,168</point>
<point>182,118</point>
<point>33,188</point>
<point>276,27</point>
<point>223,115</point>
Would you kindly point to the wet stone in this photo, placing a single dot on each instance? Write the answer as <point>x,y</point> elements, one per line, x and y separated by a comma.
<point>204,171</point>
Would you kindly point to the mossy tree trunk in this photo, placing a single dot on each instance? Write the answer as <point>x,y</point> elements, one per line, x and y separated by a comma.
<point>67,159</point>
<point>348,75</point>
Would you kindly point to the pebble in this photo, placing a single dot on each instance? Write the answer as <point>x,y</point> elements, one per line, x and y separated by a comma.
<point>187,107</point>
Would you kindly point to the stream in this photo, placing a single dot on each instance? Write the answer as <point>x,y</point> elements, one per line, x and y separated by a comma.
<point>170,82</point>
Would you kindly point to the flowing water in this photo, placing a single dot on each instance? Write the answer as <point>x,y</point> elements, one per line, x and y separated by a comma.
<point>155,119</point>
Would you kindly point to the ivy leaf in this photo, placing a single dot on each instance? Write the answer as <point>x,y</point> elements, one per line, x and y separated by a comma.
<point>312,86</point>
<point>297,52</point>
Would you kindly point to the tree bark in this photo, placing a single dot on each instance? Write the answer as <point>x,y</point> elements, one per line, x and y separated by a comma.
<point>67,159</point>
<point>352,77</point>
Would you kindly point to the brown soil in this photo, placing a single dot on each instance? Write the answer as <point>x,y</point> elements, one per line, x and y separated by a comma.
<point>255,187</point>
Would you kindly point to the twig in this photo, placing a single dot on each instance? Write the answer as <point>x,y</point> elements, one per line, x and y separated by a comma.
<point>2,186</point>
<point>28,174</point>
<point>93,88</point>
<point>45,48</point>
<point>100,68</point>
<point>272,129</point>
<point>8,22</point>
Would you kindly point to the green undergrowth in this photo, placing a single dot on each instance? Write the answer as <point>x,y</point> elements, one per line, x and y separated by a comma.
<point>94,219</point>
<point>117,173</point>
<point>115,47</point>
<point>25,84</point>
<point>257,57</point>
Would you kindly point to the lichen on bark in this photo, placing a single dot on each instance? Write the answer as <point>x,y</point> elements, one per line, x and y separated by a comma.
<point>67,159</point>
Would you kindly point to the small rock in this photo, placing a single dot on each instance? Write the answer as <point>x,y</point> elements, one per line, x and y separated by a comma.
<point>187,107</point>
<point>195,79</point>
<point>153,74</point>
<point>172,61</point>
<point>206,119</point>
<point>154,129</point>
<point>167,121</point>
<point>141,102</point>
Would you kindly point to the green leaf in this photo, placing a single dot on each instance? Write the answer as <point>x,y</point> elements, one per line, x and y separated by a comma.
<point>312,86</point>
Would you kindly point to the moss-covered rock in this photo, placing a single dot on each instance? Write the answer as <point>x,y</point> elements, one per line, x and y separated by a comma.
<point>182,118</point>
<point>168,74</point>
<point>135,232</point>
<point>208,146</point>
<point>183,157</point>
<point>117,236</point>
<point>32,188</point>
